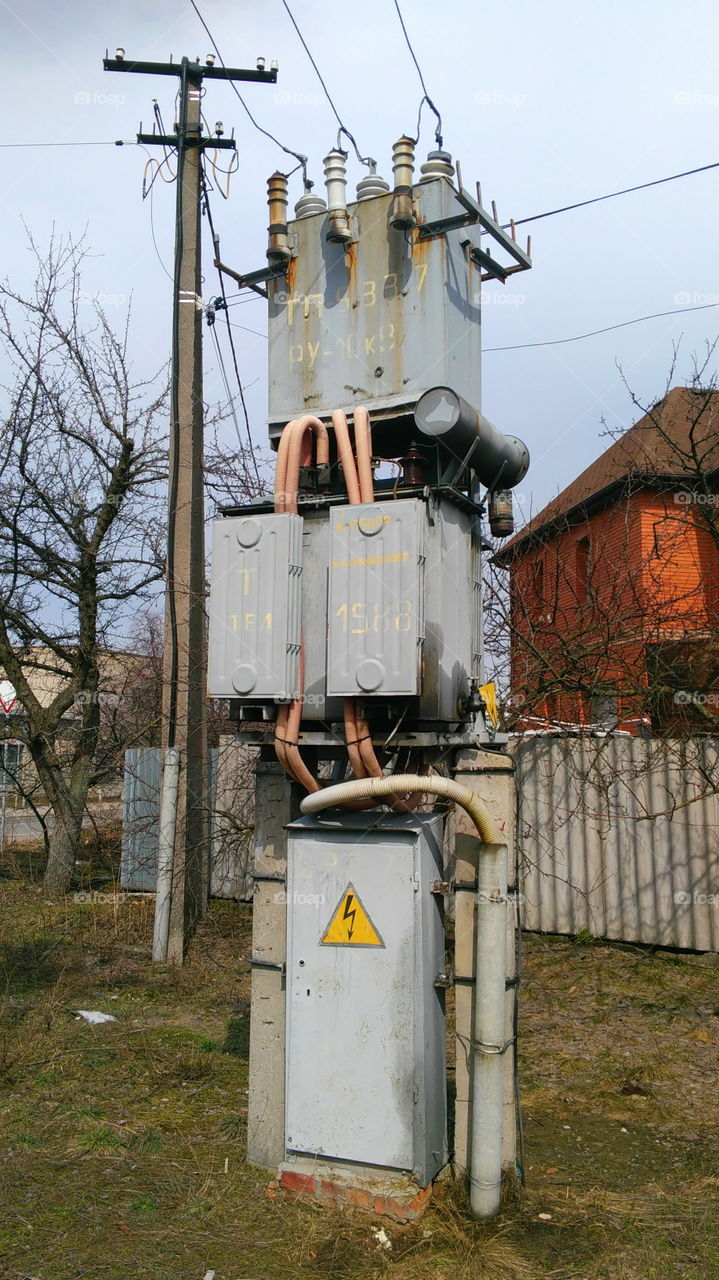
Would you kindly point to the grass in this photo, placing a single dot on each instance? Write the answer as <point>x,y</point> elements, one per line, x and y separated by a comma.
<point>123,1143</point>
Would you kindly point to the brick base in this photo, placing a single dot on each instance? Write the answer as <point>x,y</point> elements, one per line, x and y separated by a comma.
<point>292,1185</point>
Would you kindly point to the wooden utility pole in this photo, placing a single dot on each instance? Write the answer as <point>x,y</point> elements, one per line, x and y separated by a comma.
<point>183,878</point>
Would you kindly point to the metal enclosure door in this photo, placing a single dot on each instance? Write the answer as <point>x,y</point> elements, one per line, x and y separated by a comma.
<point>365,1081</point>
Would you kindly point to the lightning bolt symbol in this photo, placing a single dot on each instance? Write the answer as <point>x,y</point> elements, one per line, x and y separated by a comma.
<point>349,914</point>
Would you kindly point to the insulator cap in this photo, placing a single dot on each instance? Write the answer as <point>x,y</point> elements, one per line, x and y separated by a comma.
<point>309,204</point>
<point>371,186</point>
<point>437,165</point>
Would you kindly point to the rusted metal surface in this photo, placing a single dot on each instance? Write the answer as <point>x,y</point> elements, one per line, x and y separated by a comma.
<point>619,836</point>
<point>383,320</point>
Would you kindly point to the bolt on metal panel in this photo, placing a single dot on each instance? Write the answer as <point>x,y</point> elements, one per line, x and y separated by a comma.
<point>382,321</point>
<point>376,599</point>
<point>255,607</point>
<point>365,1024</point>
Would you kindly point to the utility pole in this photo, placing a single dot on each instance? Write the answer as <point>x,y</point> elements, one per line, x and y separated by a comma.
<point>183,873</point>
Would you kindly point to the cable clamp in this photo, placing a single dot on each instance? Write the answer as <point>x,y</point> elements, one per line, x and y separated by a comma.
<point>493,1050</point>
<point>186,295</point>
<point>352,742</point>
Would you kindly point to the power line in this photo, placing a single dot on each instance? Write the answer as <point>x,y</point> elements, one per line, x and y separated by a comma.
<point>366,160</point>
<point>119,142</point>
<point>426,98</point>
<point>642,186</point>
<point>243,402</point>
<point>287,150</point>
<point>557,342</point>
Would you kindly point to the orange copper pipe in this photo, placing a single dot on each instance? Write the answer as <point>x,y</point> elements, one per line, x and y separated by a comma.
<point>363,446</point>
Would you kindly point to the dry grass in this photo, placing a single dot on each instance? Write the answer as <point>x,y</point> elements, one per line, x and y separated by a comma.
<point>123,1144</point>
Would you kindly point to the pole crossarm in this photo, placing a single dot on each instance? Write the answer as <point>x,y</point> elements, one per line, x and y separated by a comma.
<point>170,140</point>
<point>194,70</point>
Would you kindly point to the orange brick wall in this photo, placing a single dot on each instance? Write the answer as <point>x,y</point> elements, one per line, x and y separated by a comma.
<point>653,575</point>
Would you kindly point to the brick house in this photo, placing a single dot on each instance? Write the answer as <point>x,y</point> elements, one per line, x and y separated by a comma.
<point>614,585</point>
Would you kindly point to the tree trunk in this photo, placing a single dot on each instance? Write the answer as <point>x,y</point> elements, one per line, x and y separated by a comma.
<point>65,838</point>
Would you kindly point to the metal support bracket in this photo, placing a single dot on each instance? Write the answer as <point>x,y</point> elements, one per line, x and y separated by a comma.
<point>475,215</point>
<point>278,966</point>
<point>442,887</point>
<point>444,979</point>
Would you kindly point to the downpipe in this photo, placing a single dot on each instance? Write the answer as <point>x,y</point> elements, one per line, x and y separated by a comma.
<point>488,1046</point>
<point>485,1172</point>
<point>165,853</point>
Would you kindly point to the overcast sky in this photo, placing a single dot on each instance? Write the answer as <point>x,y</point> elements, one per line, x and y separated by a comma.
<point>546,104</point>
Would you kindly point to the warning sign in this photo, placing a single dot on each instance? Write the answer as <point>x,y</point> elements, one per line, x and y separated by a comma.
<point>350,925</point>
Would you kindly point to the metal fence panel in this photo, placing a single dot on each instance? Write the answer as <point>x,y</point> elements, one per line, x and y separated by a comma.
<point>620,836</point>
<point>231,799</point>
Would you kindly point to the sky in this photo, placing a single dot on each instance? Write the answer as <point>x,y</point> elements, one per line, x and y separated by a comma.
<point>546,104</point>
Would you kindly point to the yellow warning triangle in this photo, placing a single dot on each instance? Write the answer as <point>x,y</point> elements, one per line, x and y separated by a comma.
<point>350,925</point>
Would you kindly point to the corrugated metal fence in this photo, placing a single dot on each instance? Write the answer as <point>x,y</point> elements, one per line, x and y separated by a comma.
<point>231,801</point>
<point>620,836</point>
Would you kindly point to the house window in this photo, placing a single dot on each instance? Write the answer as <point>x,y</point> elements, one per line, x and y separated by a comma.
<point>582,569</point>
<point>604,710</point>
<point>10,766</point>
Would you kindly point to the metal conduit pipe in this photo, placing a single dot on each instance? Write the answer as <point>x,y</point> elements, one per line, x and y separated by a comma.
<point>488,1045</point>
<point>485,1171</point>
<point>368,788</point>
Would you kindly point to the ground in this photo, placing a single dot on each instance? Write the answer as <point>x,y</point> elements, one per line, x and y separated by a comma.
<point>122,1145</point>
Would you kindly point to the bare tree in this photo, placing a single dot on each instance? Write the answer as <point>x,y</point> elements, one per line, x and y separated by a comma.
<point>618,616</point>
<point>82,457</point>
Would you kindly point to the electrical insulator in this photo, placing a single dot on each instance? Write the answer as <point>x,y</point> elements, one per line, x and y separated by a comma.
<point>437,165</point>
<point>309,204</point>
<point>210,60</point>
<point>413,464</point>
<point>402,213</point>
<point>371,186</point>
<point>278,249</point>
<point>336,184</point>
<point>260,64</point>
<point>501,513</point>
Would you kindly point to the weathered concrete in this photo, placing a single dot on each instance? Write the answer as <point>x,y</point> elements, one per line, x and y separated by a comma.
<point>266,1104</point>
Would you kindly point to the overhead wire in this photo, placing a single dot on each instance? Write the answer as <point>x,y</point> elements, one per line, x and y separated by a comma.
<point>426,98</point>
<point>578,337</point>
<point>152,221</point>
<point>302,160</point>
<point>250,442</point>
<point>365,160</point>
<point>118,142</point>
<point>612,195</point>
